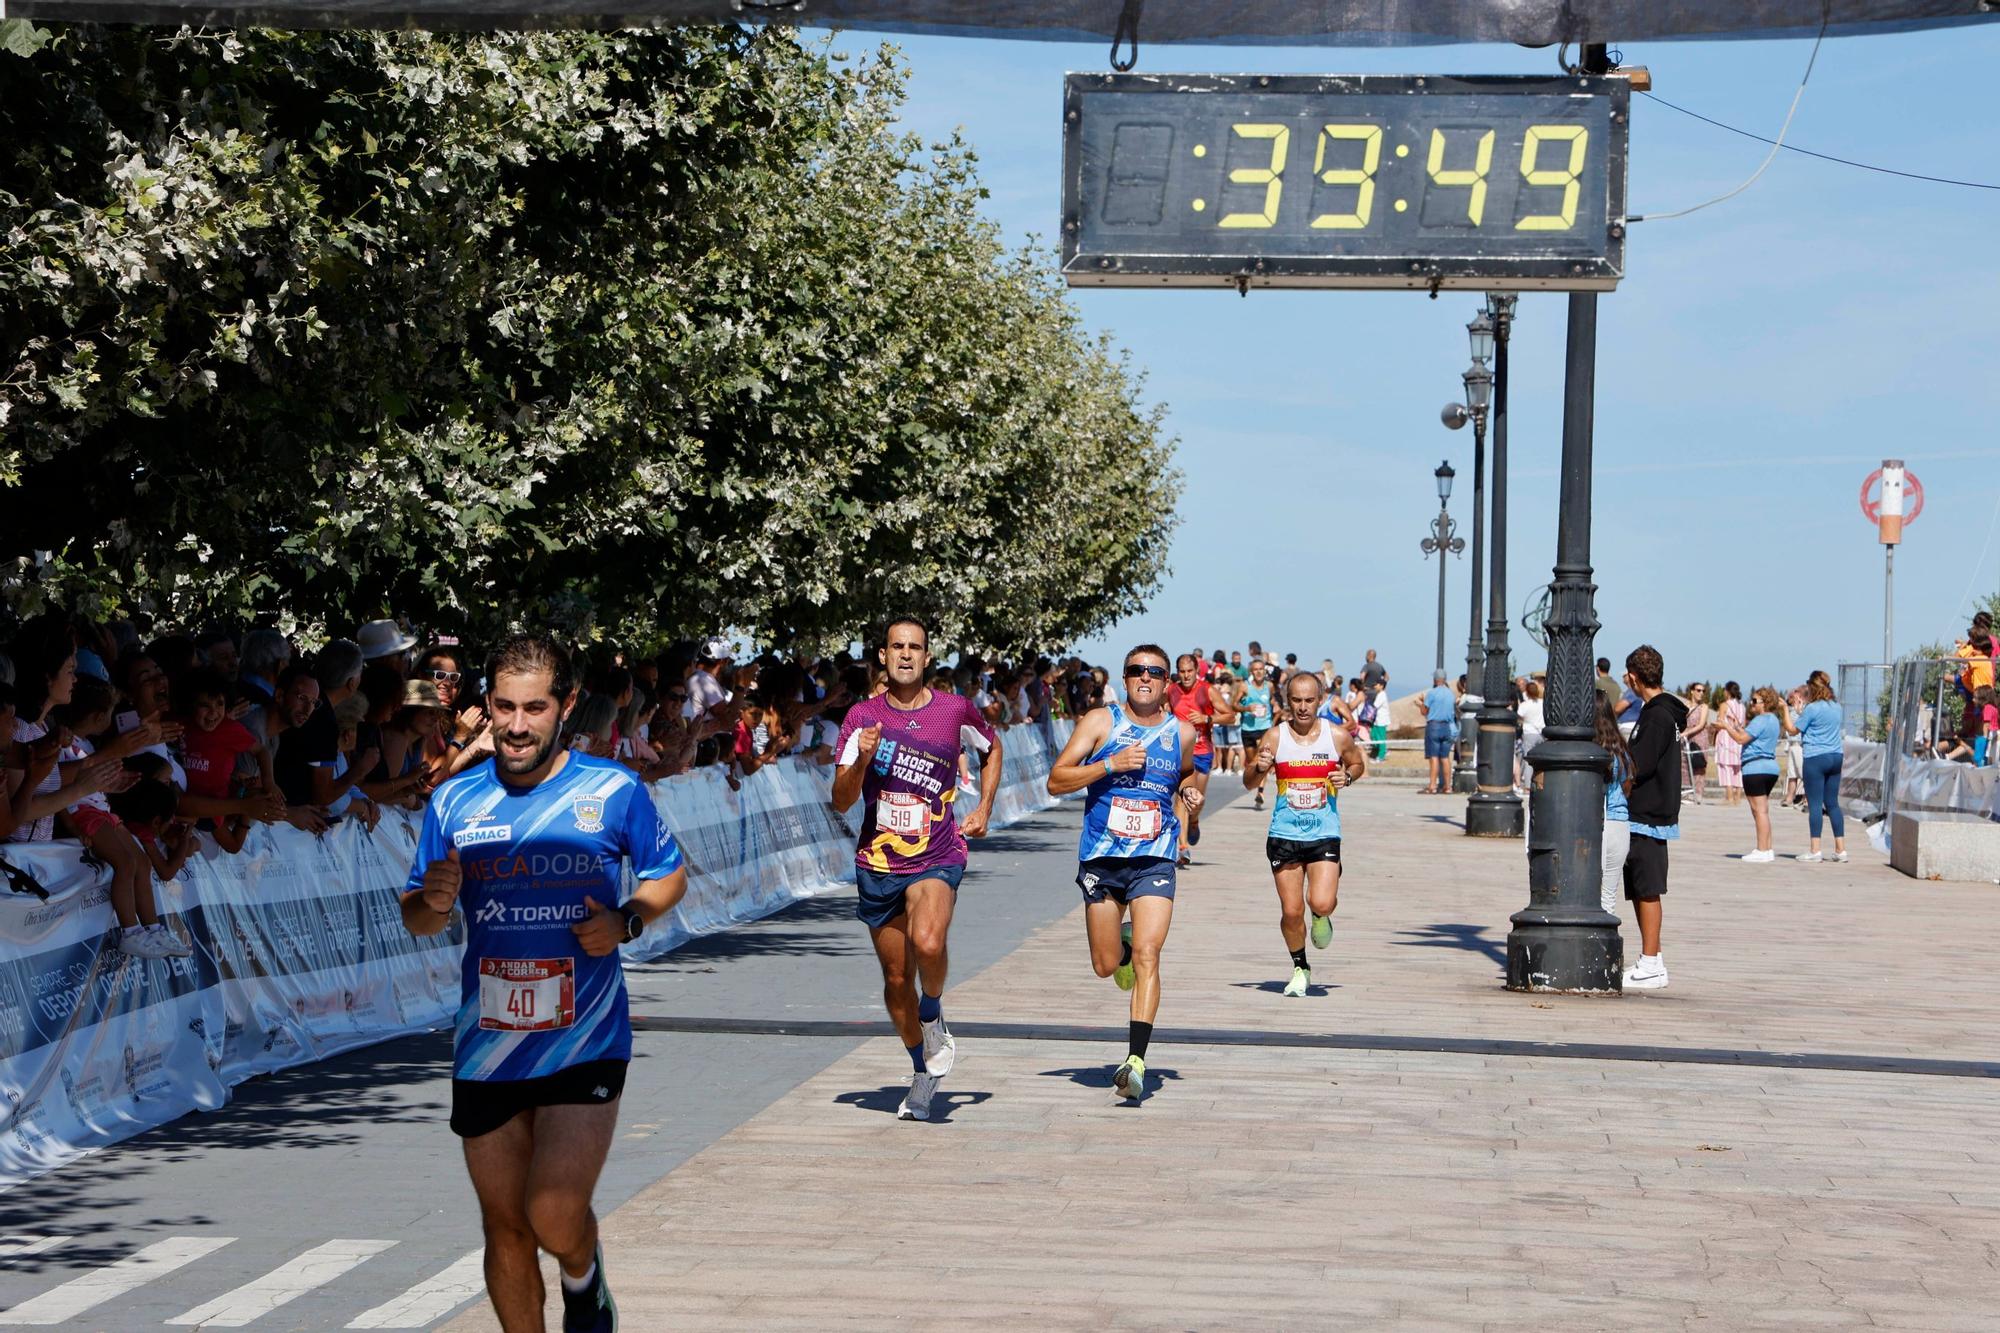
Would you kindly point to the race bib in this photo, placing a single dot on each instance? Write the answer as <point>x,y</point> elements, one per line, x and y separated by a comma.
<point>1132,818</point>
<point>526,994</point>
<point>900,812</point>
<point>1306,796</point>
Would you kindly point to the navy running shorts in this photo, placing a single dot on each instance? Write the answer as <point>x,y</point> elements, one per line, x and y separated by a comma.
<point>1123,878</point>
<point>881,895</point>
<point>1204,762</point>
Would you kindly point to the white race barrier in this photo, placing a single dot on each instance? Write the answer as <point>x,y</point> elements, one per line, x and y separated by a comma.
<point>300,951</point>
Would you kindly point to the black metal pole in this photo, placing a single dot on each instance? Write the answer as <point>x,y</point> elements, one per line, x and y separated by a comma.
<point>1564,939</point>
<point>1494,810</point>
<point>1464,770</point>
<point>1441,526</point>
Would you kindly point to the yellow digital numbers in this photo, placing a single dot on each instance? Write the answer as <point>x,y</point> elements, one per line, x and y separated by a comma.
<point>1370,137</point>
<point>1578,138</point>
<point>1272,178</point>
<point>1475,205</point>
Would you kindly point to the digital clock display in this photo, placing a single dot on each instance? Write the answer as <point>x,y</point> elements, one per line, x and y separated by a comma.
<point>1425,182</point>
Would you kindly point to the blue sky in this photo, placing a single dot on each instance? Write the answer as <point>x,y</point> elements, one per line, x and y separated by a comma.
<point>1759,360</point>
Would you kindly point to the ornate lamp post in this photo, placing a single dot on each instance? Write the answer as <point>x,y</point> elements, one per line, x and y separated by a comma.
<point>1494,810</point>
<point>1478,393</point>
<point>1441,540</point>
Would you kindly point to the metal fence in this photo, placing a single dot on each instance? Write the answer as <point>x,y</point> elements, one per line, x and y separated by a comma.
<point>1915,710</point>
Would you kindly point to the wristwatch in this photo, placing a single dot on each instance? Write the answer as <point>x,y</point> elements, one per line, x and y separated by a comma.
<point>635,925</point>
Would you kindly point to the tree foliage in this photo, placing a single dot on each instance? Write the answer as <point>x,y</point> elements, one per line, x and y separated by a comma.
<point>650,333</point>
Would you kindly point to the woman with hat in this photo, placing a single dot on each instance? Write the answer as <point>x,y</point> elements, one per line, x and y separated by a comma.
<point>421,718</point>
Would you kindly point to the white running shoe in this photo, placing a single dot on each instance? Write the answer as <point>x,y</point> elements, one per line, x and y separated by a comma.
<point>1838,856</point>
<point>1649,973</point>
<point>939,1049</point>
<point>1809,856</point>
<point>169,944</point>
<point>137,942</point>
<point>1760,858</point>
<point>917,1104</point>
<point>1297,985</point>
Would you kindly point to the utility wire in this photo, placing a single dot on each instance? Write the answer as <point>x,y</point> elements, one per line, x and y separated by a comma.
<point>1826,16</point>
<point>1824,157</point>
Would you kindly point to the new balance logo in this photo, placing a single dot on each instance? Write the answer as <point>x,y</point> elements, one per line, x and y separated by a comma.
<point>600,1092</point>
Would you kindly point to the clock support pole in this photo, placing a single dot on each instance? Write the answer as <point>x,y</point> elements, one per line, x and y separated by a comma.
<point>1564,940</point>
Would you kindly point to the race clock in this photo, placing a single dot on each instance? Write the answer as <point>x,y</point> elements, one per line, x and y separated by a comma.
<point>1369,181</point>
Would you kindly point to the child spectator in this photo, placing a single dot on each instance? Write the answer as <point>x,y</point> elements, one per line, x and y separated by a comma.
<point>591,725</point>
<point>348,716</point>
<point>1654,800</point>
<point>211,744</point>
<point>141,933</point>
<point>150,810</point>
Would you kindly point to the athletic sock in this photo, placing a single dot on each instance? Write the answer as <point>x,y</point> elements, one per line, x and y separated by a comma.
<point>1126,961</point>
<point>929,1008</point>
<point>1142,1036</point>
<point>1299,959</point>
<point>577,1285</point>
<point>917,1056</point>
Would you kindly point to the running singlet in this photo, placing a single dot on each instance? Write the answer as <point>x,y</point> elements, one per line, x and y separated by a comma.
<point>907,824</point>
<point>533,1002</point>
<point>1132,814</point>
<point>1186,703</point>
<point>1255,707</point>
<point>1307,808</point>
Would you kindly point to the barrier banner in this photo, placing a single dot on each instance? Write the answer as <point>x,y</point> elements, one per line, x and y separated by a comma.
<point>311,958</point>
<point>1027,753</point>
<point>750,852</point>
<point>95,1045</point>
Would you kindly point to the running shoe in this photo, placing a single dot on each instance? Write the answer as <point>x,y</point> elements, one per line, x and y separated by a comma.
<point>1809,856</point>
<point>1130,1080</point>
<point>1260,800</point>
<point>1838,856</point>
<point>139,942</point>
<point>939,1049</point>
<point>169,944</point>
<point>1322,931</point>
<point>1297,985</point>
<point>1760,857</point>
<point>1122,974</point>
<point>591,1310</point>
<point>1194,835</point>
<point>917,1105</point>
<point>1649,973</point>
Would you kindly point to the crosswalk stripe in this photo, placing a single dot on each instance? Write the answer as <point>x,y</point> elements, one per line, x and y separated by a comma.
<point>287,1282</point>
<point>431,1299</point>
<point>99,1285</point>
<point>20,1247</point>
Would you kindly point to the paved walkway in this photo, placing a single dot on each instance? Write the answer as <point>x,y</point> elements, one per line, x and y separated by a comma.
<point>1295,1186</point>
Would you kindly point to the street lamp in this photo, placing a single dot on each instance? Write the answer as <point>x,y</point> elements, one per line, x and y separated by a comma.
<point>1494,810</point>
<point>1441,540</point>
<point>1478,381</point>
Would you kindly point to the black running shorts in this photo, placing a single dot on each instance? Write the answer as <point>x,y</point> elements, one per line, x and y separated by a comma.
<point>480,1107</point>
<point>1759,784</point>
<point>1281,852</point>
<point>1646,869</point>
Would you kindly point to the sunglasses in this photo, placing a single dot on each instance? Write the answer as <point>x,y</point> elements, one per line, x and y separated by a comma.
<point>1156,672</point>
<point>445,677</point>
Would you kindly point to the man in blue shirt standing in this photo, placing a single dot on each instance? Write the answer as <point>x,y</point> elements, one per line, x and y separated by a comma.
<point>1440,730</point>
<point>532,844</point>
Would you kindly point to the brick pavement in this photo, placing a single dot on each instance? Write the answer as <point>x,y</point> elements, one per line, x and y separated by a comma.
<point>1282,1187</point>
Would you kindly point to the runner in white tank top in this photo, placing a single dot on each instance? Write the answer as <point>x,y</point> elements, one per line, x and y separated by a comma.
<point>1314,759</point>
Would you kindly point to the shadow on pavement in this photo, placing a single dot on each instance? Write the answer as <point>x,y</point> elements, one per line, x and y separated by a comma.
<point>1278,987</point>
<point>1099,1076</point>
<point>333,1104</point>
<point>887,1099</point>
<point>1456,935</point>
<point>827,926</point>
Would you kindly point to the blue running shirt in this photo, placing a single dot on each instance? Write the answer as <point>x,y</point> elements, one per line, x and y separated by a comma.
<point>1132,814</point>
<point>533,1002</point>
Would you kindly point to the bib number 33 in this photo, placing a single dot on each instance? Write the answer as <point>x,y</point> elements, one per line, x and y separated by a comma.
<point>526,994</point>
<point>1134,819</point>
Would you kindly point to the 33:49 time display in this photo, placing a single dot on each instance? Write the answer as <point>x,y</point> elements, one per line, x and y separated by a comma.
<point>1552,156</point>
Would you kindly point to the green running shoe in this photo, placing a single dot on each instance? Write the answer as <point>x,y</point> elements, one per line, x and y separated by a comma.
<point>1129,1083</point>
<point>1322,931</point>
<point>1297,986</point>
<point>1123,973</point>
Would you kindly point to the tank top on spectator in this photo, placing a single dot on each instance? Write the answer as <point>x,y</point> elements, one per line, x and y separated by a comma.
<point>907,824</point>
<point>1132,814</point>
<point>40,830</point>
<point>533,1003</point>
<point>1186,703</point>
<point>1308,808</point>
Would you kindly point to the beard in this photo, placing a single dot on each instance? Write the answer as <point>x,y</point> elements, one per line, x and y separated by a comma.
<point>509,763</point>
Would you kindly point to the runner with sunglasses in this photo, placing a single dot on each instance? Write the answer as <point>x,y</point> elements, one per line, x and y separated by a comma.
<point>1137,761</point>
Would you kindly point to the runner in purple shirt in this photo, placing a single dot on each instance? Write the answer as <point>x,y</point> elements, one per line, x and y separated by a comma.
<point>899,753</point>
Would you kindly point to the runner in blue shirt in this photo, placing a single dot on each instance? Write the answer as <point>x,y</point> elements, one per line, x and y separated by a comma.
<point>532,845</point>
<point>1133,761</point>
